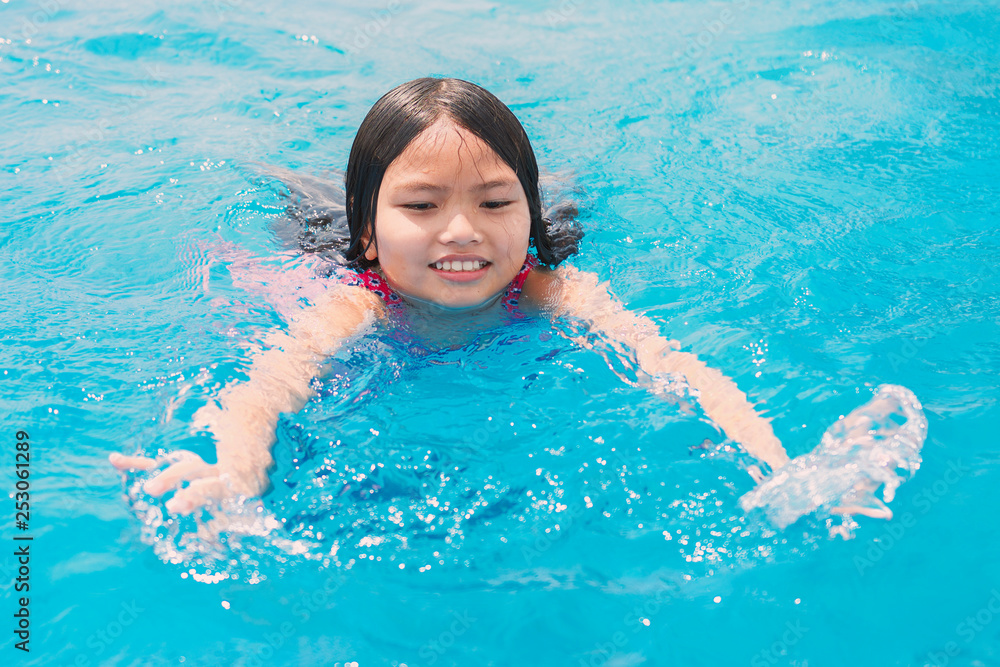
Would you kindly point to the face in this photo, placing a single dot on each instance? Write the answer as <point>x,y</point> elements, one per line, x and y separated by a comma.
<point>452,221</point>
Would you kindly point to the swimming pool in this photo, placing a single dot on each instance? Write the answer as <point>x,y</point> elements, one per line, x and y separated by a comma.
<point>804,196</point>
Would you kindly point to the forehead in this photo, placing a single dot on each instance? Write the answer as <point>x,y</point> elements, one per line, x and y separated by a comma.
<point>445,147</point>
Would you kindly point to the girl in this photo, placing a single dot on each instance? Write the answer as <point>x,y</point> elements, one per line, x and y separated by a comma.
<point>445,218</point>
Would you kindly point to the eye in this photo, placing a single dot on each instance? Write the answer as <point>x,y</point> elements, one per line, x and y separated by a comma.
<point>496,203</point>
<point>419,206</point>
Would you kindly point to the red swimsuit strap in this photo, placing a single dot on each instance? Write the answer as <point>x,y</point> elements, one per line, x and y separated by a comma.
<point>513,291</point>
<point>373,280</point>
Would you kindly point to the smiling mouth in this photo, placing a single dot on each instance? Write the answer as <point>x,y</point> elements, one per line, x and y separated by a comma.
<point>461,266</point>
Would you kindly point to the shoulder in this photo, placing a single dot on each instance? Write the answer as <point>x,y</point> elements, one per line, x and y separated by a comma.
<point>350,290</point>
<point>352,301</point>
<point>339,313</point>
<point>549,288</point>
<point>570,291</point>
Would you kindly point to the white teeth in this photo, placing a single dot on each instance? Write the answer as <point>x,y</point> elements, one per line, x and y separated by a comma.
<point>468,265</point>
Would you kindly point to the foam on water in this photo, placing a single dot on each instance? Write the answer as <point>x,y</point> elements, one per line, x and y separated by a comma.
<point>876,445</point>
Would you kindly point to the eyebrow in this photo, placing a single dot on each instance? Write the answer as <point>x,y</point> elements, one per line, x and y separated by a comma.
<point>423,186</point>
<point>420,186</point>
<point>496,183</point>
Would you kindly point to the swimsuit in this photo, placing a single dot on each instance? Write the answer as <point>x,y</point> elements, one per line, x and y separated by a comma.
<point>375,282</point>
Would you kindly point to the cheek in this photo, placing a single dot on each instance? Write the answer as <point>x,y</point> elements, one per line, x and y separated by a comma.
<point>393,230</point>
<point>513,239</point>
<point>520,229</point>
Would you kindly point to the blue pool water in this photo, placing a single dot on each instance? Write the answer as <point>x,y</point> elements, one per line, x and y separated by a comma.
<point>804,194</point>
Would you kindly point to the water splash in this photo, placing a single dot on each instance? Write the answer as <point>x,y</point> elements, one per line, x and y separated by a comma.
<point>867,449</point>
<point>237,539</point>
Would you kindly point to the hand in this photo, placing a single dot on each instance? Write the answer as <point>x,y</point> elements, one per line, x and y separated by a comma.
<point>876,446</point>
<point>208,483</point>
<point>874,508</point>
<point>816,481</point>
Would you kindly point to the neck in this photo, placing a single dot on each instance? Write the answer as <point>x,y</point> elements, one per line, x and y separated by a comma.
<point>430,308</point>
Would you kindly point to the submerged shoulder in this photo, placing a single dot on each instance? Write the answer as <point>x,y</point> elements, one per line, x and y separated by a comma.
<point>350,302</point>
<point>542,288</point>
<point>571,291</point>
<point>551,288</point>
<point>339,313</point>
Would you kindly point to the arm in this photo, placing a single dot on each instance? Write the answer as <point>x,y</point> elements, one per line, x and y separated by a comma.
<point>573,293</point>
<point>244,416</point>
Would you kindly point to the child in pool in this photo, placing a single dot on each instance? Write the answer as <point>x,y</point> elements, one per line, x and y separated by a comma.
<point>443,207</point>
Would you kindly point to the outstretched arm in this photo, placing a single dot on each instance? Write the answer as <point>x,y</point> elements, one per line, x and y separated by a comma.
<point>577,294</point>
<point>244,416</point>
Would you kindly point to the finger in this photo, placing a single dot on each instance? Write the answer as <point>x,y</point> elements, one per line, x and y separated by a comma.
<point>188,469</point>
<point>198,493</point>
<point>873,512</point>
<point>876,513</point>
<point>177,456</point>
<point>123,462</point>
<point>843,530</point>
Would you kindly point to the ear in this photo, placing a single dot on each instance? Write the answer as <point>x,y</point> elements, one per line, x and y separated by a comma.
<point>371,252</point>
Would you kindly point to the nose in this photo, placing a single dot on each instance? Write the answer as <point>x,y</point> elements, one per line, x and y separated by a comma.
<point>460,230</point>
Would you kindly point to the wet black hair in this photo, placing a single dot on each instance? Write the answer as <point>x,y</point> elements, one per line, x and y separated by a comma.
<point>404,112</point>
